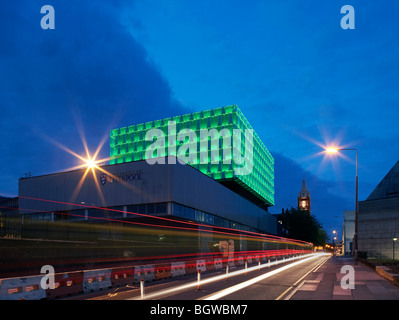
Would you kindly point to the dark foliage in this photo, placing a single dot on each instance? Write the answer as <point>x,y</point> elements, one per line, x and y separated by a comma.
<point>301,225</point>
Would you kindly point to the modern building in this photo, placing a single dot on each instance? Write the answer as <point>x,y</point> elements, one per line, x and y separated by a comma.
<point>378,219</point>
<point>348,232</point>
<point>9,217</point>
<point>304,198</point>
<point>220,142</point>
<point>151,176</point>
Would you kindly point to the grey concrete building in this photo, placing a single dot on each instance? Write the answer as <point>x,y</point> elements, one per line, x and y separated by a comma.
<point>178,191</point>
<point>9,217</point>
<point>348,231</point>
<point>378,220</point>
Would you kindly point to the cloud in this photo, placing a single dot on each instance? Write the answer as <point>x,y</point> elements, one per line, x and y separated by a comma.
<point>89,68</point>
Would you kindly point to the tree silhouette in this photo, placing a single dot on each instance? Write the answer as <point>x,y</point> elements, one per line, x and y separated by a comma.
<point>301,225</point>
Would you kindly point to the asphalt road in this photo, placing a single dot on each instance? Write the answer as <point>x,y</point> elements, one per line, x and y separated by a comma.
<point>268,283</point>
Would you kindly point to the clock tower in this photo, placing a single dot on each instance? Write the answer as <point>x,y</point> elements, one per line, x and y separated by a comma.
<point>304,198</point>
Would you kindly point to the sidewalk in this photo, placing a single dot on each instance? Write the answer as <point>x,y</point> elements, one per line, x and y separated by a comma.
<point>325,283</point>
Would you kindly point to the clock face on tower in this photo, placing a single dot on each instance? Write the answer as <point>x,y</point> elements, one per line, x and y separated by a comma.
<point>303,204</point>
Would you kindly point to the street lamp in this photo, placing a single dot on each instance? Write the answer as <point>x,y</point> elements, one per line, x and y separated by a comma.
<point>355,244</point>
<point>334,238</point>
<point>393,247</point>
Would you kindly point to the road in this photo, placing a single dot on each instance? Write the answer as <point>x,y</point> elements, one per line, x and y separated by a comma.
<point>276,282</point>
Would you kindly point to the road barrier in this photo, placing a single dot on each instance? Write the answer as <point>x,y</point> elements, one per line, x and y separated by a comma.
<point>178,269</point>
<point>25,288</point>
<point>200,265</point>
<point>210,265</point>
<point>122,276</point>
<point>163,271</point>
<point>146,272</point>
<point>239,261</point>
<point>191,267</point>
<point>218,263</point>
<point>78,282</point>
<point>96,280</point>
<point>66,284</point>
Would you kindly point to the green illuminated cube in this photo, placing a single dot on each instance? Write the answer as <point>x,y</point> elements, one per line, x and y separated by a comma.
<point>212,155</point>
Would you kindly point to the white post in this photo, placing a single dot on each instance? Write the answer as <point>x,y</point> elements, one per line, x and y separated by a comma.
<point>142,288</point>
<point>198,279</point>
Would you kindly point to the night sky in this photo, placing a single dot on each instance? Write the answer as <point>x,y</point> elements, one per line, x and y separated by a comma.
<point>299,78</point>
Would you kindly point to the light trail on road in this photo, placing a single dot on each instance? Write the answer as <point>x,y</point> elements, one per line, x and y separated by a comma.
<point>190,224</point>
<point>230,290</point>
<point>288,297</point>
<point>177,289</point>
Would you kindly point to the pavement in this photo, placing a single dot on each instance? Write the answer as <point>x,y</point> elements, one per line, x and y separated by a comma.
<point>325,283</point>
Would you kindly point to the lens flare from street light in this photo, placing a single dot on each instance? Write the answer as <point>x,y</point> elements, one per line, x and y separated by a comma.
<point>332,150</point>
<point>91,163</point>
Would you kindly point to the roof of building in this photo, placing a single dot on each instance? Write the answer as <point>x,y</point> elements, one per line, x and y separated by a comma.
<point>304,193</point>
<point>389,186</point>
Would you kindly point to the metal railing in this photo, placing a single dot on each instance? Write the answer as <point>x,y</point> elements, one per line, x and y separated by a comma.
<point>376,255</point>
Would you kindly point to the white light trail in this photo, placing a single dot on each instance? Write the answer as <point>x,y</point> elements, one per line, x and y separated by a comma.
<point>231,274</point>
<point>247,283</point>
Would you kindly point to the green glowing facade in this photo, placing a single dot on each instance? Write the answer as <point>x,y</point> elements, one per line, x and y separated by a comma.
<point>129,144</point>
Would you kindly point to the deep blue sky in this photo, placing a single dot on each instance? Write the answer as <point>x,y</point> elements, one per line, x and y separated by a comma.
<point>298,77</point>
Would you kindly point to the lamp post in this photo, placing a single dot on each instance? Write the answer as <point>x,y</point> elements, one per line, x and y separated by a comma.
<point>334,238</point>
<point>393,247</point>
<point>355,243</point>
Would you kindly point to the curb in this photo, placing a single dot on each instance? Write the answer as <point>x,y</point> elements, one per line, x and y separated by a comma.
<point>386,273</point>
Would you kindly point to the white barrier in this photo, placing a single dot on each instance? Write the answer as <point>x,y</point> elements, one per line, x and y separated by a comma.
<point>178,269</point>
<point>218,263</point>
<point>95,280</point>
<point>200,264</point>
<point>26,288</point>
<point>146,272</point>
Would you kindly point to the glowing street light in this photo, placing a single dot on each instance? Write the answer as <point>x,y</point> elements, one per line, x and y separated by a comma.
<point>90,163</point>
<point>333,150</point>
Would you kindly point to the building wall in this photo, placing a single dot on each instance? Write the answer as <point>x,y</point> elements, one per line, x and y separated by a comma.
<point>145,184</point>
<point>9,217</point>
<point>199,191</point>
<point>378,223</point>
<point>348,231</point>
